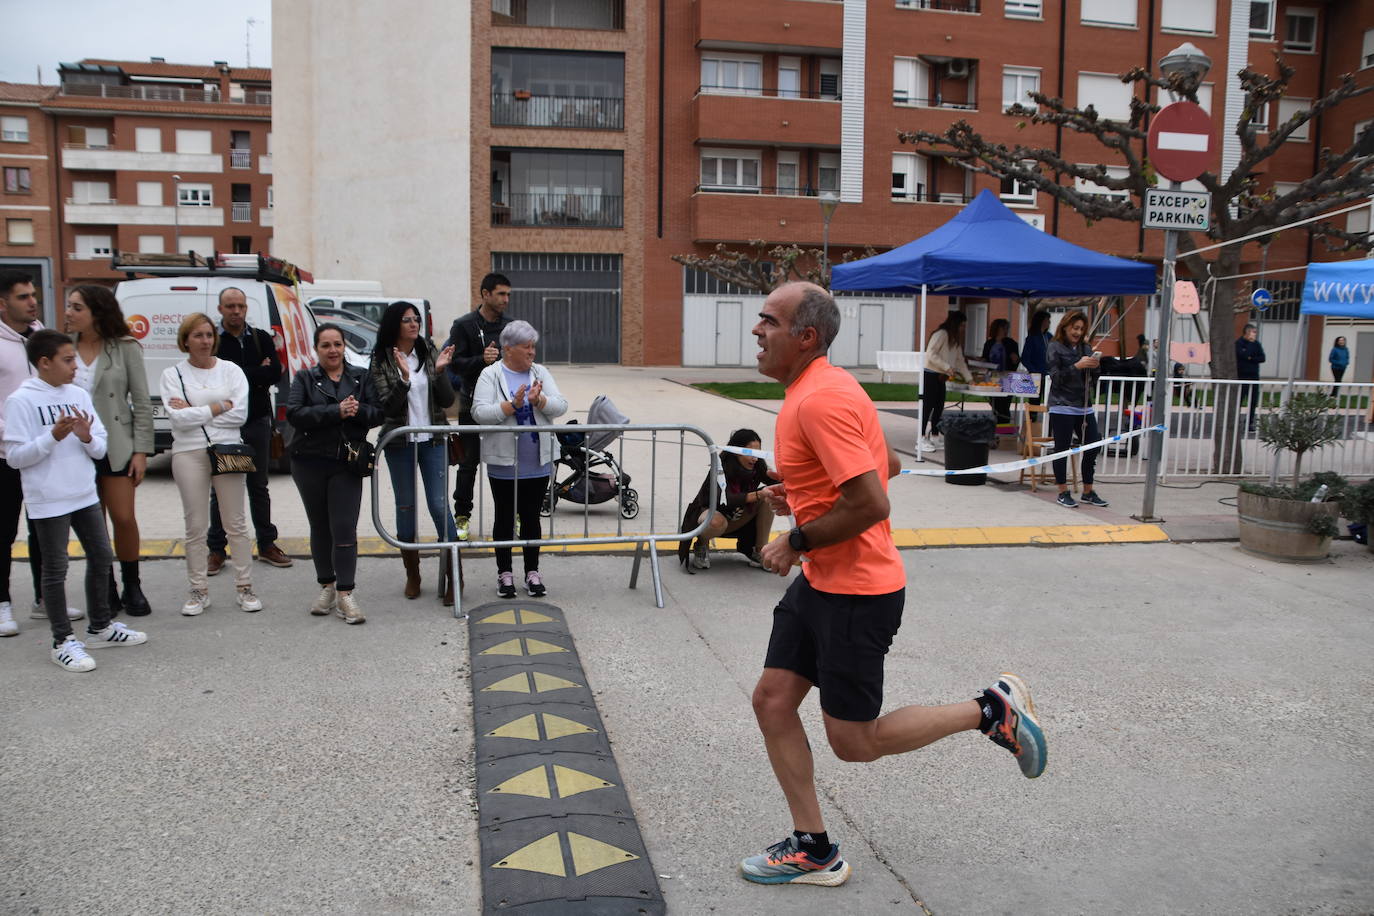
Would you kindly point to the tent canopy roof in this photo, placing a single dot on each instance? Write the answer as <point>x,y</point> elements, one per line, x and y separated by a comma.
<point>1344,288</point>
<point>987,250</point>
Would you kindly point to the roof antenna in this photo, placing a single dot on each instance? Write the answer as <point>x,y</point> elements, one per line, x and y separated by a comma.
<point>248,42</point>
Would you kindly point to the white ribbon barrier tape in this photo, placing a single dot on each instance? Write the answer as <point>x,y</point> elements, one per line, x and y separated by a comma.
<point>987,468</point>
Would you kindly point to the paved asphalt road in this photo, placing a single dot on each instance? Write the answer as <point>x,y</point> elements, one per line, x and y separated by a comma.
<point>1207,747</point>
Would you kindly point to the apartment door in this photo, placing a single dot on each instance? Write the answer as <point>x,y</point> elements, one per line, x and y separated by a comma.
<point>870,333</point>
<point>729,333</point>
<point>555,330</point>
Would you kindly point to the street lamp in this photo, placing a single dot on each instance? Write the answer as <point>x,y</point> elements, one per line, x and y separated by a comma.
<point>1187,60</point>
<point>829,201</point>
<point>176,214</point>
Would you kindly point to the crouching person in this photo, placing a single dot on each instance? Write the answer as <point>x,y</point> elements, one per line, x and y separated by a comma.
<point>53,438</point>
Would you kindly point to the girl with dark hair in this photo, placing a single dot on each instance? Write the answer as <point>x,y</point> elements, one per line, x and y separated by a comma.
<point>1072,369</point>
<point>1000,350</point>
<point>740,511</point>
<point>109,366</point>
<point>944,358</point>
<point>413,390</point>
<point>1036,346</point>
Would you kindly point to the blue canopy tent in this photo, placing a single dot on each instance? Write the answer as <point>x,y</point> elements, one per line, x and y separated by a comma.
<point>987,250</point>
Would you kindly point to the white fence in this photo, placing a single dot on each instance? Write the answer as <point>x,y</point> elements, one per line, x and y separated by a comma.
<point>1191,449</point>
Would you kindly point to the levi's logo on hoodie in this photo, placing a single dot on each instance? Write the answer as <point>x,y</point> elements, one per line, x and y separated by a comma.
<point>49,414</point>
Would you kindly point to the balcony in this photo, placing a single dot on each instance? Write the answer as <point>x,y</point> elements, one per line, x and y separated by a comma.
<point>722,216</point>
<point>521,109</point>
<point>560,14</point>
<point>595,211</point>
<point>175,94</point>
<point>240,159</point>
<point>110,213</point>
<point>944,6</point>
<point>111,160</point>
<point>799,119</point>
<point>241,212</point>
<point>809,26</point>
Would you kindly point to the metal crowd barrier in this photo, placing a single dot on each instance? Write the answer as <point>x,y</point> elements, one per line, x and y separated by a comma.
<point>641,539</point>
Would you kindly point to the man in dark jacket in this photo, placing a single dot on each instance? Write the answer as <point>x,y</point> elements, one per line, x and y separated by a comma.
<point>475,338</point>
<point>1249,355</point>
<point>254,352</point>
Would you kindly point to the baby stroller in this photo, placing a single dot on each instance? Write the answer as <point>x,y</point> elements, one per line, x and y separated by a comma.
<point>593,474</point>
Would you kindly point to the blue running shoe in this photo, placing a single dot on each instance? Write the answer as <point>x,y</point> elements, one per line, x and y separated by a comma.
<point>785,863</point>
<point>1014,724</point>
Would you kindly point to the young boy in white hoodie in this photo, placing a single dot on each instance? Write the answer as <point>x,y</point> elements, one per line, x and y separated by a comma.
<point>52,437</point>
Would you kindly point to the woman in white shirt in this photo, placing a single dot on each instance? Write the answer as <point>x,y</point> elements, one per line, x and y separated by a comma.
<point>207,402</point>
<point>944,359</point>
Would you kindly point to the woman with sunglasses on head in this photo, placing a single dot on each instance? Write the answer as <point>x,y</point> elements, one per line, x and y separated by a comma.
<point>109,366</point>
<point>331,408</point>
<point>413,390</point>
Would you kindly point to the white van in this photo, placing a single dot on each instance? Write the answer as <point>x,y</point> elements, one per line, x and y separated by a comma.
<point>362,297</point>
<point>154,307</point>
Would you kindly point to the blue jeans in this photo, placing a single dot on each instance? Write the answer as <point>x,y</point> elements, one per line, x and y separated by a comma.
<point>432,457</point>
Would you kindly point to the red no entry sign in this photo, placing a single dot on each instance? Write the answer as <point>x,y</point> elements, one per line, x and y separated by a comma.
<point>1181,143</point>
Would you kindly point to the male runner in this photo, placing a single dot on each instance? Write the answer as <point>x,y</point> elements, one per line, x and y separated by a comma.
<point>836,621</point>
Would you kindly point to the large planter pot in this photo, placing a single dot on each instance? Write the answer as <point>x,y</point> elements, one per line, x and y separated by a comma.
<point>1276,529</point>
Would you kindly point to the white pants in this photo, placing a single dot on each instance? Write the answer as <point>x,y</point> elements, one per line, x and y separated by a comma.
<point>191,471</point>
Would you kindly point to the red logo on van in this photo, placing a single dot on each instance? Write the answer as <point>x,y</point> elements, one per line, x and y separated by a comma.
<point>138,326</point>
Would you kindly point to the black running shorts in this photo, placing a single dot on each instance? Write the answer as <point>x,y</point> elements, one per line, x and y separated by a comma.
<point>838,643</point>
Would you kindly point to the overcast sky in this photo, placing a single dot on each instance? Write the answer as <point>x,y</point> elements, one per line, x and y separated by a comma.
<point>44,33</point>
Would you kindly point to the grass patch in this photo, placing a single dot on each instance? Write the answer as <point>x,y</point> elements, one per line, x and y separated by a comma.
<point>772,391</point>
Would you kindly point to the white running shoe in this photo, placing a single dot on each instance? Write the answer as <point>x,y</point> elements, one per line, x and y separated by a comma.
<point>7,625</point>
<point>116,634</point>
<point>327,601</point>
<point>349,610</point>
<point>926,445</point>
<point>196,603</point>
<point>38,612</point>
<point>72,655</point>
<point>249,601</point>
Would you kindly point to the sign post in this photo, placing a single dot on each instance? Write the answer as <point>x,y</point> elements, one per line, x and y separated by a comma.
<point>1181,147</point>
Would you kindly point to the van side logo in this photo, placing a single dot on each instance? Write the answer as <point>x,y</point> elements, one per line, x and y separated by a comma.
<point>138,326</point>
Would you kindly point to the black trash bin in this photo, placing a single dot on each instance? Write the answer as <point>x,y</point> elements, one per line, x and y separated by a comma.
<point>968,436</point>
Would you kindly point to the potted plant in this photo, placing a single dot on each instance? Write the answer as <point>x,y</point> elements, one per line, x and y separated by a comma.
<point>1357,505</point>
<point>1282,522</point>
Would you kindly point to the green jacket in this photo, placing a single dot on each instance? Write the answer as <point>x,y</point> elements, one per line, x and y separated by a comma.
<point>119,391</point>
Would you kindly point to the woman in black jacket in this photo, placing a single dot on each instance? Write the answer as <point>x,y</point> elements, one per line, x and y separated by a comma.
<point>740,510</point>
<point>331,408</point>
<point>1072,369</point>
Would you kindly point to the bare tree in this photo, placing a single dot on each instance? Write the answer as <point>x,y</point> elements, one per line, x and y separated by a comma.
<point>1239,206</point>
<point>764,268</point>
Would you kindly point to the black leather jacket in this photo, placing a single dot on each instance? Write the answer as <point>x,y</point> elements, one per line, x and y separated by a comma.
<point>313,411</point>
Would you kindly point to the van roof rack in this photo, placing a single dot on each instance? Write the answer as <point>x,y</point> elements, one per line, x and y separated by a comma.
<point>190,264</point>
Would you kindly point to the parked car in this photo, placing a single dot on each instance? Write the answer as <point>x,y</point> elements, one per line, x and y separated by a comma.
<point>325,313</point>
<point>369,306</point>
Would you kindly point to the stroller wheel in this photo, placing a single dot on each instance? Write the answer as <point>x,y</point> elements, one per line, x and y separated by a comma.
<point>631,494</point>
<point>629,506</point>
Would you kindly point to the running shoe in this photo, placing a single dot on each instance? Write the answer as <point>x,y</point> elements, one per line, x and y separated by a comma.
<point>349,610</point>
<point>7,625</point>
<point>196,603</point>
<point>249,601</point>
<point>756,559</point>
<point>1092,499</point>
<point>701,556</point>
<point>38,612</point>
<point>462,523</point>
<point>534,584</point>
<point>785,863</point>
<point>71,655</point>
<point>1014,725</point>
<point>116,634</point>
<point>327,601</point>
<point>505,585</point>
<point>1066,500</point>
<point>926,445</point>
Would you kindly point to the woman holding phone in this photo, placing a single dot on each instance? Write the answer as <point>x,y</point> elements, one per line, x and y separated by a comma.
<point>1073,366</point>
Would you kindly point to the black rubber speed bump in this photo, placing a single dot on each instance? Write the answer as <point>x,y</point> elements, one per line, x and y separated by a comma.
<point>557,832</point>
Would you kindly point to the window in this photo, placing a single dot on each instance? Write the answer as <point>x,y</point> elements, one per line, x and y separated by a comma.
<point>532,88</point>
<point>202,245</point>
<point>1083,186</point>
<point>1260,120</point>
<point>828,171</point>
<point>1107,94</point>
<point>910,176</point>
<point>1017,194</point>
<point>193,141</point>
<point>14,130</point>
<point>1204,97</point>
<point>148,139</point>
<point>17,180</point>
<point>1262,19</point>
<point>194,195</point>
<point>1284,187</point>
<point>1300,30</point>
<point>789,77</point>
<point>736,73</point>
<point>19,231</point>
<point>88,137</point>
<point>150,193</point>
<point>92,246</point>
<point>1357,222</point>
<point>91,192</point>
<point>1109,12</point>
<point>789,172</point>
<point>151,244</point>
<point>1016,82</point>
<point>1290,107</point>
<point>910,81</point>
<point>1189,16</point>
<point>1366,51</point>
<point>832,85</point>
<point>730,170</point>
<point>1023,9</point>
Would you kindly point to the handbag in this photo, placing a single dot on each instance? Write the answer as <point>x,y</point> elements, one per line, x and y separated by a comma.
<point>359,457</point>
<point>225,457</point>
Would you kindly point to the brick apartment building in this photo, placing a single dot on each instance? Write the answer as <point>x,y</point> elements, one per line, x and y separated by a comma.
<point>145,157</point>
<point>607,137</point>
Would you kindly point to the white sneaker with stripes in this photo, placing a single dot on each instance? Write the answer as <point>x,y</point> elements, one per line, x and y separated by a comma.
<point>116,634</point>
<point>72,656</point>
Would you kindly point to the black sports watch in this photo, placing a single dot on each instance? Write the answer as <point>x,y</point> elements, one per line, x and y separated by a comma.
<point>796,539</point>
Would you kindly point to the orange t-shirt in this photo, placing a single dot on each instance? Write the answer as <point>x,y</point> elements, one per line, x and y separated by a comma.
<point>828,433</point>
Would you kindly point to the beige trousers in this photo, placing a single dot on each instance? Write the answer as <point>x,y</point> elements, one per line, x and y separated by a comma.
<point>191,471</point>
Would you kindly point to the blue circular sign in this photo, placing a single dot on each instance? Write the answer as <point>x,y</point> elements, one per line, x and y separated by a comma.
<point>1262,299</point>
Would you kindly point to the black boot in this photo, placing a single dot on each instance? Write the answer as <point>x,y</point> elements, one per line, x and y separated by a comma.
<point>135,604</point>
<point>115,604</point>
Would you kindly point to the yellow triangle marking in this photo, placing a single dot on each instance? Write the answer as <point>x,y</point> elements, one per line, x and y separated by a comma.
<point>501,617</point>
<point>516,683</point>
<point>525,727</point>
<point>534,617</point>
<point>590,855</point>
<point>543,855</point>
<point>539,647</point>
<point>509,647</point>
<point>559,727</point>
<point>544,683</point>
<point>533,783</point>
<point>575,782</point>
